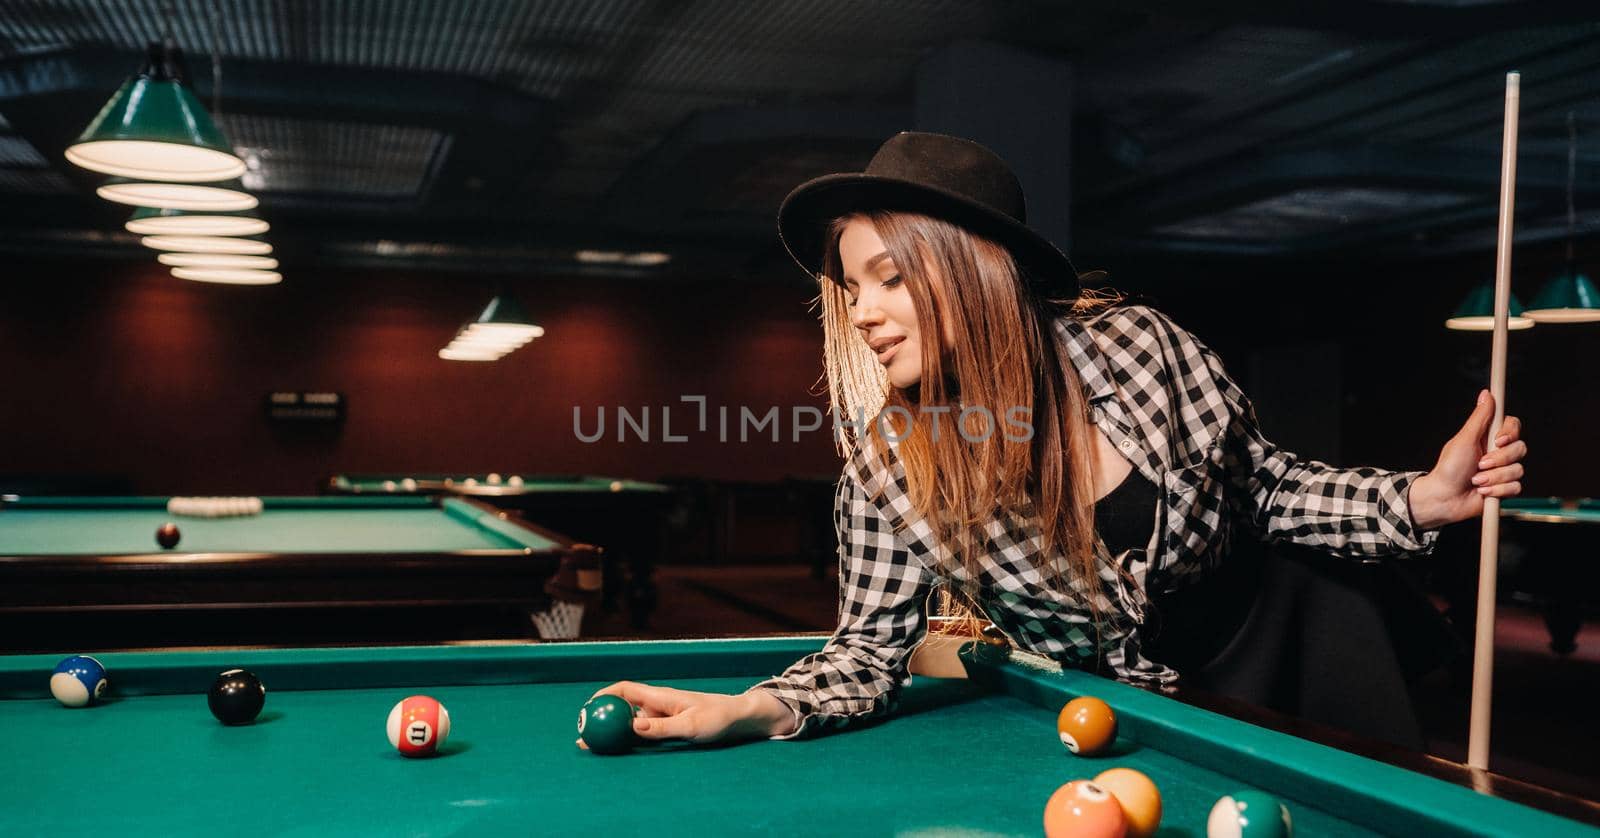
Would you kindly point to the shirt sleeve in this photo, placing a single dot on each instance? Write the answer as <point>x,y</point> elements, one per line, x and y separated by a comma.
<point>1355,513</point>
<point>883,596</point>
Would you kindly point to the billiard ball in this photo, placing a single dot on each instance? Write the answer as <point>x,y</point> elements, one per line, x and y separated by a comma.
<point>493,479</point>
<point>167,535</point>
<point>389,485</point>
<point>1081,809</point>
<point>470,482</point>
<point>236,697</point>
<point>418,725</point>
<point>1087,726</point>
<point>409,484</point>
<point>1140,799</point>
<point>605,725</point>
<point>78,681</point>
<point>515,480</point>
<point>616,485</point>
<point>1249,814</point>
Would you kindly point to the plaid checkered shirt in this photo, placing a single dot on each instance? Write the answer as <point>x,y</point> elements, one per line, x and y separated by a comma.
<point>1163,399</point>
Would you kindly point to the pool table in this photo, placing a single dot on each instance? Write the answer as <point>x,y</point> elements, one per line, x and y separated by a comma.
<point>80,569</point>
<point>626,518</point>
<point>1562,568</point>
<point>975,756</point>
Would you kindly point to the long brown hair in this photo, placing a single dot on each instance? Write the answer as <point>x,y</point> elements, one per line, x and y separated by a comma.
<point>1005,356</point>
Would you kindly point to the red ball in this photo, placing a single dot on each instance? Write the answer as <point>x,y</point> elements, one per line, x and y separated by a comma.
<point>418,726</point>
<point>167,535</point>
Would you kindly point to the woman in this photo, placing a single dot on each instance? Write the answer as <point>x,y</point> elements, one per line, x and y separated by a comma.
<point>1075,472</point>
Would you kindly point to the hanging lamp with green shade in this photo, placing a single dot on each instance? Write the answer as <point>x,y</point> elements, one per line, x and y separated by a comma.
<point>229,276</point>
<point>208,244</point>
<point>150,221</point>
<point>500,329</point>
<point>1476,312</point>
<point>1570,296</point>
<point>153,128</point>
<point>181,259</point>
<point>195,197</point>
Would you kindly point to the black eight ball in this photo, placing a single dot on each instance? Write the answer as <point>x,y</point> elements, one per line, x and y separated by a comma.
<point>236,697</point>
<point>167,535</point>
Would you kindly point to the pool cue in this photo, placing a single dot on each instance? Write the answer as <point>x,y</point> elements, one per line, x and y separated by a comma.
<point>1489,546</point>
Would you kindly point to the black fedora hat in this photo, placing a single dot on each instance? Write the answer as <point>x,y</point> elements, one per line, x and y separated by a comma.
<point>945,177</point>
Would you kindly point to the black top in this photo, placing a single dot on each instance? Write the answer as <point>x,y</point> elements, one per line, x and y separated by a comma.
<point>1126,517</point>
<point>1184,630</point>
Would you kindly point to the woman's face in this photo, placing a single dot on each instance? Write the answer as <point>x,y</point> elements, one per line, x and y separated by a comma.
<point>880,306</point>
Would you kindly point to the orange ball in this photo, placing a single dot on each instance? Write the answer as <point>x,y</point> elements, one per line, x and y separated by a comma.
<point>1140,799</point>
<point>1081,809</point>
<point>1087,726</point>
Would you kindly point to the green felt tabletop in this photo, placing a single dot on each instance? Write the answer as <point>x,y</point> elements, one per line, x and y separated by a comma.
<point>1554,515</point>
<point>110,526</point>
<point>531,483</point>
<point>959,758</point>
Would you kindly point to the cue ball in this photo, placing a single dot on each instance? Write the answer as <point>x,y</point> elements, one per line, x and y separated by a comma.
<point>605,725</point>
<point>236,697</point>
<point>167,535</point>
<point>1087,726</point>
<point>78,681</point>
<point>1081,809</point>
<point>616,485</point>
<point>408,484</point>
<point>418,725</point>
<point>1140,799</point>
<point>1249,814</point>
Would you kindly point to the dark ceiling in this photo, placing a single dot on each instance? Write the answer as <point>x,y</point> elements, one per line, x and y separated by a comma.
<point>497,134</point>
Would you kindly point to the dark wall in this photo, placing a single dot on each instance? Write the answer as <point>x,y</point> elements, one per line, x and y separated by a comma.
<point>1388,384</point>
<point>123,370</point>
<point>119,369</point>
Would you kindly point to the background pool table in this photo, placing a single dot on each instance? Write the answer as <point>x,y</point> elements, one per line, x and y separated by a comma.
<point>1560,567</point>
<point>961,757</point>
<point>626,518</point>
<point>76,571</point>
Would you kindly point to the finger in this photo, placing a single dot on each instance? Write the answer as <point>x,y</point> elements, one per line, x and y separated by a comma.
<point>1512,453</point>
<point>680,726</point>
<point>662,700</point>
<point>1503,490</point>
<point>582,746</point>
<point>1510,431</point>
<point>1497,476</point>
<point>1477,424</point>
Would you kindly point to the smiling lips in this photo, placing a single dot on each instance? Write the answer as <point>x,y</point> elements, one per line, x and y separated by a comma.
<point>885,348</point>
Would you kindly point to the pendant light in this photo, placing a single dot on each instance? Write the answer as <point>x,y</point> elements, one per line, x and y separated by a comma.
<point>229,276</point>
<point>153,128</point>
<point>224,197</point>
<point>149,221</point>
<point>217,260</point>
<point>1476,313</point>
<point>1569,297</point>
<point>208,244</point>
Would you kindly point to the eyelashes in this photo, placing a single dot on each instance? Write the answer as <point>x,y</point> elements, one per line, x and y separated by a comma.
<point>891,282</point>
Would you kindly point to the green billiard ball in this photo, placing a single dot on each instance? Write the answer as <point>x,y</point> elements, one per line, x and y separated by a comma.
<point>1249,814</point>
<point>991,647</point>
<point>605,725</point>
